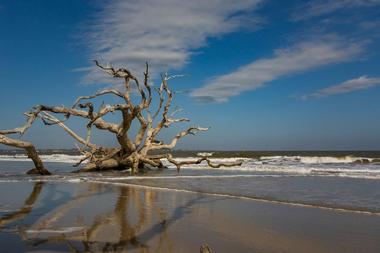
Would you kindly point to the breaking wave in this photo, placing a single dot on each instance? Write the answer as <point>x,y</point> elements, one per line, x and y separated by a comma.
<point>205,154</point>
<point>54,158</point>
<point>343,166</point>
<point>65,158</point>
<point>320,159</point>
<point>355,167</point>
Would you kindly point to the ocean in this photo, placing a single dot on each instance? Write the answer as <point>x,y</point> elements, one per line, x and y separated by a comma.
<point>344,180</point>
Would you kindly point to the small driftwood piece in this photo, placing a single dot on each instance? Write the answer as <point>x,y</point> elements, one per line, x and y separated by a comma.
<point>205,249</point>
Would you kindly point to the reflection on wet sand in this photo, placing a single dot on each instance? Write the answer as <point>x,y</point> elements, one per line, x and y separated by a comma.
<point>91,217</point>
<point>135,219</point>
<point>25,209</point>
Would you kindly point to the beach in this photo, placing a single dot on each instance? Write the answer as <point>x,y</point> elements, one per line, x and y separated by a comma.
<point>173,126</point>
<point>234,210</point>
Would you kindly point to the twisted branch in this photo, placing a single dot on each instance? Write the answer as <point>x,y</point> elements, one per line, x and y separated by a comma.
<point>169,157</point>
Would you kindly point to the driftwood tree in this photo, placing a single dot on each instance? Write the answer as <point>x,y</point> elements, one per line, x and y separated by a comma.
<point>135,153</point>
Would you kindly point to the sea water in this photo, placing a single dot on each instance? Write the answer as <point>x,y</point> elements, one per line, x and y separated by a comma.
<point>345,181</point>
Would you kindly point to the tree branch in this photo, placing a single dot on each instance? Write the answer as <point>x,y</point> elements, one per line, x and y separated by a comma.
<point>172,144</point>
<point>169,157</point>
<point>47,116</point>
<point>30,151</point>
<point>100,93</point>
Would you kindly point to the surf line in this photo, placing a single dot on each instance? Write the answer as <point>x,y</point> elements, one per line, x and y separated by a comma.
<point>75,179</point>
<point>239,197</point>
<point>189,176</point>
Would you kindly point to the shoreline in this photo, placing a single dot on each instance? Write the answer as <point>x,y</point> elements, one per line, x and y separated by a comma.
<point>169,182</point>
<point>282,202</point>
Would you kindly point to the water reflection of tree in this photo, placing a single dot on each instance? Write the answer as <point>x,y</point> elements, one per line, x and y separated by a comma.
<point>133,233</point>
<point>25,209</point>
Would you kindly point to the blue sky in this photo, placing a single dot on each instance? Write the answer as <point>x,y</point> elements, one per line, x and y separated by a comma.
<point>265,75</point>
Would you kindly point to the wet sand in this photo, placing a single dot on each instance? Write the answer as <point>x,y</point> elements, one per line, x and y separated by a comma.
<point>91,217</point>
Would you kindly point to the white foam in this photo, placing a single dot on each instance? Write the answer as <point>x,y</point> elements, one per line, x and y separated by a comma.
<point>205,154</point>
<point>281,165</point>
<point>10,180</point>
<point>55,231</point>
<point>318,159</point>
<point>182,177</point>
<point>2,210</point>
<point>310,167</point>
<point>204,164</point>
<point>54,158</point>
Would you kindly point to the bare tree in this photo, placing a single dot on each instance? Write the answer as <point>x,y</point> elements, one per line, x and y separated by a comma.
<point>135,153</point>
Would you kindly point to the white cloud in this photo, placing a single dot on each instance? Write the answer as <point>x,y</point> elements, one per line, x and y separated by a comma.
<point>299,58</point>
<point>322,7</point>
<point>360,83</point>
<point>162,32</point>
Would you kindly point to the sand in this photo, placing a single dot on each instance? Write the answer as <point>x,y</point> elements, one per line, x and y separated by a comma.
<point>91,217</point>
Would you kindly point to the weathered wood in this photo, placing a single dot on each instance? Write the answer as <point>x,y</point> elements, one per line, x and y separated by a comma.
<point>205,249</point>
<point>133,153</point>
<point>30,151</point>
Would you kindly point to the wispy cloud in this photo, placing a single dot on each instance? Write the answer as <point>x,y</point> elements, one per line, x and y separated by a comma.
<point>299,58</point>
<point>360,83</point>
<point>163,32</point>
<point>322,7</point>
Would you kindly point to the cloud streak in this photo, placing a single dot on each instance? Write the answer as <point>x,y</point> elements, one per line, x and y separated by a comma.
<point>163,32</point>
<point>299,58</point>
<point>360,83</point>
<point>314,9</point>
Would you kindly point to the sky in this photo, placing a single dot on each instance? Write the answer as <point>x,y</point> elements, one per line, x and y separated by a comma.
<point>263,74</point>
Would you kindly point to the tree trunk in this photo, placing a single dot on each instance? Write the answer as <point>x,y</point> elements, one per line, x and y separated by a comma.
<point>30,151</point>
